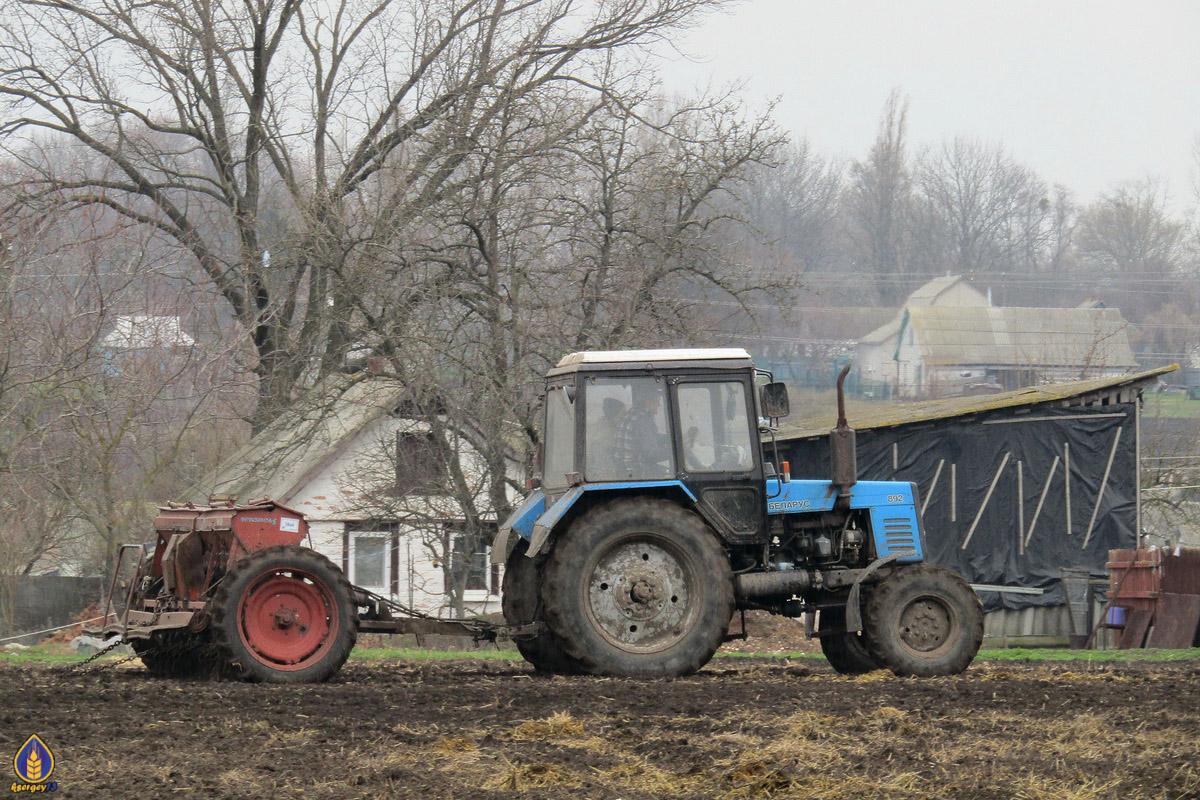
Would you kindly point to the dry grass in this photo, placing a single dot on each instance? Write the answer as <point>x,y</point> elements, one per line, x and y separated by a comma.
<point>559,725</point>
<point>453,745</point>
<point>1038,788</point>
<point>521,777</point>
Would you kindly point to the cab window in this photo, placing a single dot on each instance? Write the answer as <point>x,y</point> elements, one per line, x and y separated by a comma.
<point>627,432</point>
<point>560,436</point>
<point>716,427</point>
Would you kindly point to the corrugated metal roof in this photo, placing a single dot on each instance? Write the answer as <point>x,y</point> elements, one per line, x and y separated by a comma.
<point>1022,337</point>
<point>925,295</point>
<point>300,442</point>
<point>886,415</point>
<point>884,332</point>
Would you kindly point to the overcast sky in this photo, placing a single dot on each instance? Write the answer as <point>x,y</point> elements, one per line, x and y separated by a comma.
<point>1086,93</point>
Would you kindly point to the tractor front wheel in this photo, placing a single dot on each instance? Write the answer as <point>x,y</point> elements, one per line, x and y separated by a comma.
<point>923,620</point>
<point>640,588</point>
<point>285,614</point>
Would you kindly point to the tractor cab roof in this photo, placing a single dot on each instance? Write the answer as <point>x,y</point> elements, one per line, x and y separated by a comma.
<point>694,357</point>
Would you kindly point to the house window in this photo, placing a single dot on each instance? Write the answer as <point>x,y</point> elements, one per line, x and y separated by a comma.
<point>420,464</point>
<point>369,556</point>
<point>470,561</point>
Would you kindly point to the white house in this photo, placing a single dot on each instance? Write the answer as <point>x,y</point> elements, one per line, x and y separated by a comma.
<point>944,352</point>
<point>948,340</point>
<point>877,363</point>
<point>336,458</point>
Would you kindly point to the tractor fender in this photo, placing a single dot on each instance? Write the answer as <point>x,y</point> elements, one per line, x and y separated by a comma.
<point>521,522</point>
<point>853,611</point>
<point>550,520</point>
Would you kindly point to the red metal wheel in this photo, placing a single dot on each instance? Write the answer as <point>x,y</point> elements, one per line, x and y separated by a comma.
<point>284,614</point>
<point>288,619</point>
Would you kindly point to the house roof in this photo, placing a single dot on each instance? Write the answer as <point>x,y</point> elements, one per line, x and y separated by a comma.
<point>887,415</point>
<point>923,296</point>
<point>291,451</point>
<point>928,293</point>
<point>842,323</point>
<point>141,331</point>
<point>885,331</point>
<point>1021,337</point>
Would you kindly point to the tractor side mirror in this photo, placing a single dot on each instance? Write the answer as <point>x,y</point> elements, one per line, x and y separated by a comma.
<point>774,400</point>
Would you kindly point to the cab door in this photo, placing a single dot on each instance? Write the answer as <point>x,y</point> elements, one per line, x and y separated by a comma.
<point>718,453</point>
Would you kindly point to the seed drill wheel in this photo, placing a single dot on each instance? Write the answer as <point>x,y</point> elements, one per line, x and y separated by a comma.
<point>284,614</point>
<point>521,602</point>
<point>846,652</point>
<point>638,587</point>
<point>178,654</point>
<point>923,620</point>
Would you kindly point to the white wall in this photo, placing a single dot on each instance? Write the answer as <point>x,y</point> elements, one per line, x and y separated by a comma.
<point>877,364</point>
<point>332,502</point>
<point>909,379</point>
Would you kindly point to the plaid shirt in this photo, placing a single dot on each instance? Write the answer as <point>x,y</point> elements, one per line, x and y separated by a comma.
<point>639,448</point>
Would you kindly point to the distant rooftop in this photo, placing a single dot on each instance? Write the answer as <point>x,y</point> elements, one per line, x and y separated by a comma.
<point>924,296</point>
<point>144,331</point>
<point>929,292</point>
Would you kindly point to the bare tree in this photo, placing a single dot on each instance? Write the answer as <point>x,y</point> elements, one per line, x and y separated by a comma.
<point>795,207</point>
<point>607,237</point>
<point>275,144</point>
<point>879,202</point>
<point>994,212</point>
<point>1129,231</point>
<point>100,386</point>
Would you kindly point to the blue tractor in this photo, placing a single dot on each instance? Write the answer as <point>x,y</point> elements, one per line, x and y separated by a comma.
<point>660,512</point>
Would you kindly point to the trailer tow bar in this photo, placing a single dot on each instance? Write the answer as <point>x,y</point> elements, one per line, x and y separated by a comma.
<point>379,619</point>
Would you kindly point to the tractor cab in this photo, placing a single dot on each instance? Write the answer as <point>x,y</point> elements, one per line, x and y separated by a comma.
<point>676,421</point>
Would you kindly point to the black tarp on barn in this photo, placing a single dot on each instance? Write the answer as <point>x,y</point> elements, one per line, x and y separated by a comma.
<point>992,477</point>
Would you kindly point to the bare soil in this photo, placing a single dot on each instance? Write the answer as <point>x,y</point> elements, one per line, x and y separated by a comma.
<point>740,728</point>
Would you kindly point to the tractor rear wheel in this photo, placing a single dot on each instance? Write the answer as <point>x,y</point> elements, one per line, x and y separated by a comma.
<point>923,620</point>
<point>284,614</point>
<point>846,652</point>
<point>639,587</point>
<point>522,603</point>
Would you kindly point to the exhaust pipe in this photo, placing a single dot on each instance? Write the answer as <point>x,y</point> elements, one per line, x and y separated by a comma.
<point>843,450</point>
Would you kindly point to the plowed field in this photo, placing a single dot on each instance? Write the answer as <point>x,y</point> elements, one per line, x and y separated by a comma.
<point>741,728</point>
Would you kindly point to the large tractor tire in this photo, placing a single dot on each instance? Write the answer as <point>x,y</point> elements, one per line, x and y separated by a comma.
<point>846,652</point>
<point>923,620</point>
<point>522,603</point>
<point>284,614</point>
<point>639,587</point>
